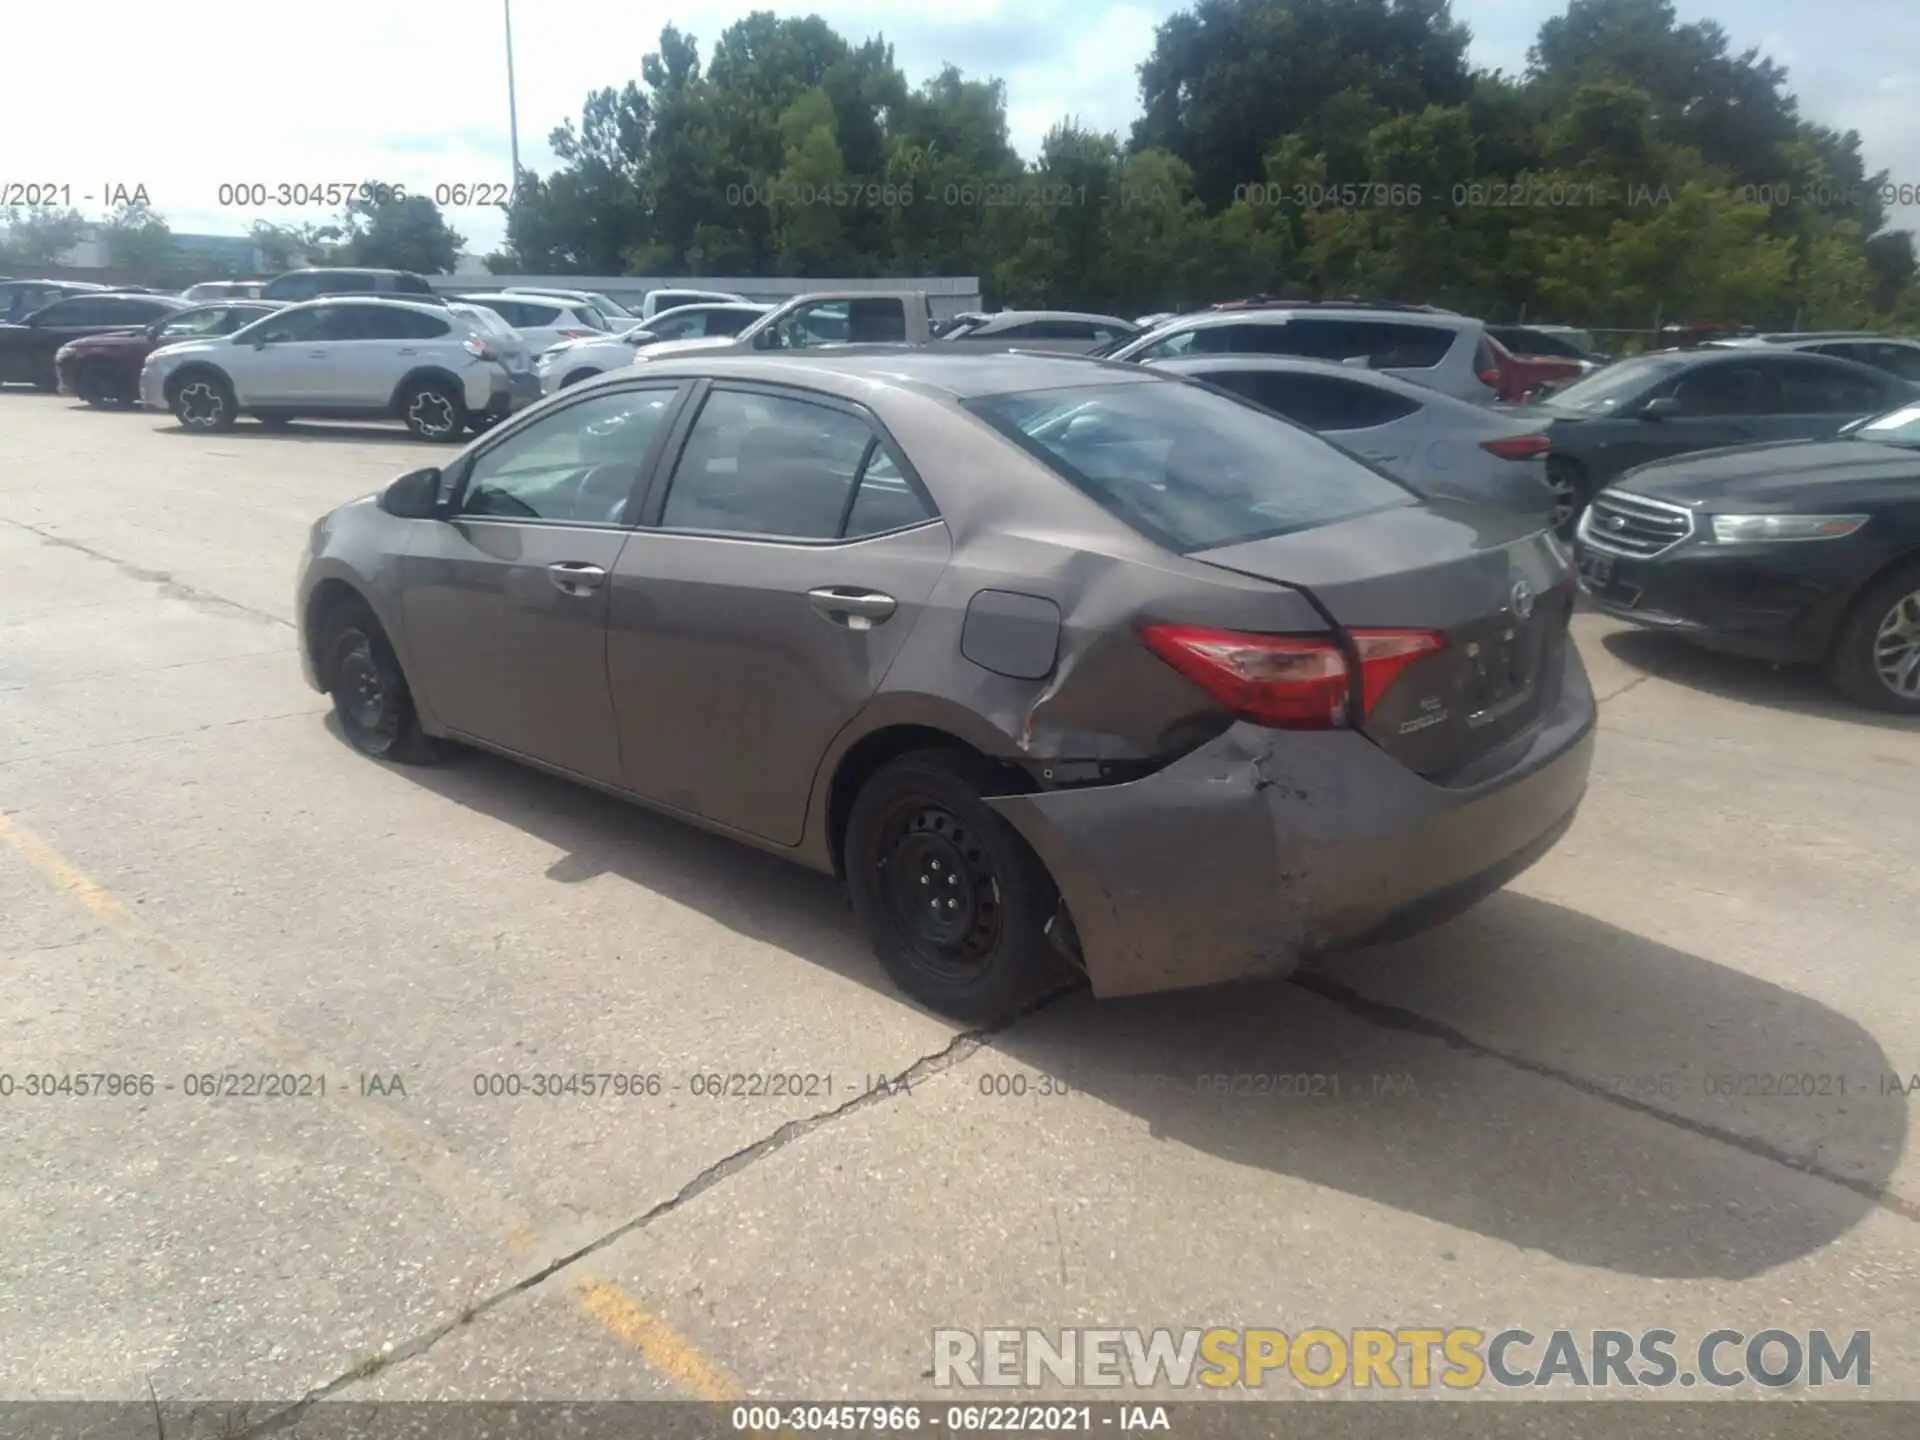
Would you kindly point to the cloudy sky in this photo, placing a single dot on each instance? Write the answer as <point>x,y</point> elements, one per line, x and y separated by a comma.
<point>233,91</point>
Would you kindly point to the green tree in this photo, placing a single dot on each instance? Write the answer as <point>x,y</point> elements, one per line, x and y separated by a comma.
<point>40,235</point>
<point>137,238</point>
<point>399,233</point>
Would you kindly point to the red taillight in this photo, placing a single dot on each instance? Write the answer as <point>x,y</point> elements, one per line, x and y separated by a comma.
<point>577,334</point>
<point>479,348</point>
<point>1490,379</point>
<point>1518,447</point>
<point>1291,682</point>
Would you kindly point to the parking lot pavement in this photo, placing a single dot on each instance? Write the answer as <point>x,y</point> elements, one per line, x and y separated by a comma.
<point>1562,1110</point>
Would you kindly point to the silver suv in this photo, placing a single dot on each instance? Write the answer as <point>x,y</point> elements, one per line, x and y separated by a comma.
<point>343,359</point>
<point>1435,348</point>
<point>1894,354</point>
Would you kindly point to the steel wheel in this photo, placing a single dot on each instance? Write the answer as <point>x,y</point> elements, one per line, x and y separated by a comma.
<point>940,884</point>
<point>370,706</point>
<point>1896,647</point>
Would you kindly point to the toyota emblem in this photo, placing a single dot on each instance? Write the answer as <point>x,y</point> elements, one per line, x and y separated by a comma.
<point>1615,522</point>
<point>1522,599</point>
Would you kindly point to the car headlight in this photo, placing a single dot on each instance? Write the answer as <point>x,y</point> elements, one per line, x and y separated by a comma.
<point>1749,529</point>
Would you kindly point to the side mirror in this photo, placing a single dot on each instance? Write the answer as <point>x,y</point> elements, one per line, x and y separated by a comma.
<point>1658,408</point>
<point>767,339</point>
<point>415,496</point>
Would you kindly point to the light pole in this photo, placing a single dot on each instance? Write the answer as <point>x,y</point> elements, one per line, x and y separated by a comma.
<point>513,107</point>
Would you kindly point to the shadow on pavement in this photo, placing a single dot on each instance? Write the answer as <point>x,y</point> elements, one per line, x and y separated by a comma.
<point>1800,691</point>
<point>1574,1154</point>
<point>308,431</point>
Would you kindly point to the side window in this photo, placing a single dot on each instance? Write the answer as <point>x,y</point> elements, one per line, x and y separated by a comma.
<point>407,283</point>
<point>1725,390</point>
<point>580,463</point>
<point>825,323</point>
<point>884,500</point>
<point>1313,339</point>
<point>122,310</point>
<point>728,322</point>
<point>680,327</point>
<point>217,320</point>
<point>766,465</point>
<point>1901,360</point>
<point>298,286</point>
<point>511,311</point>
<point>877,322</point>
<point>345,282</point>
<point>1321,402</point>
<point>293,326</point>
<point>1409,347</point>
<point>1813,389</point>
<point>74,312</point>
<point>1181,343</point>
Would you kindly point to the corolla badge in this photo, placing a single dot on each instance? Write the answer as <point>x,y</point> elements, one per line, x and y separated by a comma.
<point>1521,599</point>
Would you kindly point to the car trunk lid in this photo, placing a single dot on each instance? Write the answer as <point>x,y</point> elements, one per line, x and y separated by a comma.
<point>1492,586</point>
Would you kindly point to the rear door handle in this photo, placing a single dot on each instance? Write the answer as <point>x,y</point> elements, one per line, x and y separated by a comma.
<point>316,354</point>
<point>410,350</point>
<point>855,609</point>
<point>576,577</point>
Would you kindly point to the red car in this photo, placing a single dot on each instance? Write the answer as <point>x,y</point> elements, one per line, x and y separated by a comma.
<point>104,369</point>
<point>1515,377</point>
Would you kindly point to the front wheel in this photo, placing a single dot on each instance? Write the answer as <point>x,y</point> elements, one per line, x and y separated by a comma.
<point>1876,656</point>
<point>954,903</point>
<point>202,402</point>
<point>370,694</point>
<point>97,385</point>
<point>434,410</point>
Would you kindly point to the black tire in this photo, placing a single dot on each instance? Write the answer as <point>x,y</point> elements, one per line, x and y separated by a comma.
<point>1570,494</point>
<point>202,400</point>
<point>585,372</point>
<point>434,410</point>
<point>919,823</point>
<point>95,384</point>
<point>1878,645</point>
<point>371,698</point>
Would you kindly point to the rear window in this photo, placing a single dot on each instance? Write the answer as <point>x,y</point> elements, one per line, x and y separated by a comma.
<point>1189,468</point>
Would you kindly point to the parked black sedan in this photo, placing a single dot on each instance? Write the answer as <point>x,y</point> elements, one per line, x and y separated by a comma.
<point>1803,552</point>
<point>27,349</point>
<point>1678,402</point>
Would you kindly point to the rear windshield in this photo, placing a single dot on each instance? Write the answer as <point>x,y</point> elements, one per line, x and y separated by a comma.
<point>1189,467</point>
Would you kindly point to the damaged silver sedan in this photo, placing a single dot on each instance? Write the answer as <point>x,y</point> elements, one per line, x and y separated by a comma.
<point>1060,665</point>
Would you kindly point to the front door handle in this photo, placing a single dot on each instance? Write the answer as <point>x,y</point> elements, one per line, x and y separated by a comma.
<point>410,350</point>
<point>316,354</point>
<point>576,577</point>
<point>855,609</point>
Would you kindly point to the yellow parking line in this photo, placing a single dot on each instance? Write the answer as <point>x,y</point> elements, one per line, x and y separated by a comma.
<point>667,1351</point>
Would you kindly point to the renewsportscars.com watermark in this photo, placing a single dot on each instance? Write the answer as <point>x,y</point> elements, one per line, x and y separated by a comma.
<point>1458,1358</point>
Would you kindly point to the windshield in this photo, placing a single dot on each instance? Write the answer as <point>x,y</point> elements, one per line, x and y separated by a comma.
<point>1605,391</point>
<point>1189,467</point>
<point>1896,427</point>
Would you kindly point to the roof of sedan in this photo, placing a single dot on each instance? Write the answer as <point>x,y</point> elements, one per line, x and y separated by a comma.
<point>956,373</point>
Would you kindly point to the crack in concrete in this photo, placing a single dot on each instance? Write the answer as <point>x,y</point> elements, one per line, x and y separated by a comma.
<point>1633,684</point>
<point>1393,1017</point>
<point>174,589</point>
<point>957,1050</point>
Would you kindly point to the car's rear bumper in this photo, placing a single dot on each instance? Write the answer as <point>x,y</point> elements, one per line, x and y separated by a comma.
<point>1264,846</point>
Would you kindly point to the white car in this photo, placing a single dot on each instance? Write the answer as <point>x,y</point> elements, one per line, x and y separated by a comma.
<point>658,301</point>
<point>610,310</point>
<point>543,321</point>
<point>573,361</point>
<point>345,358</point>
